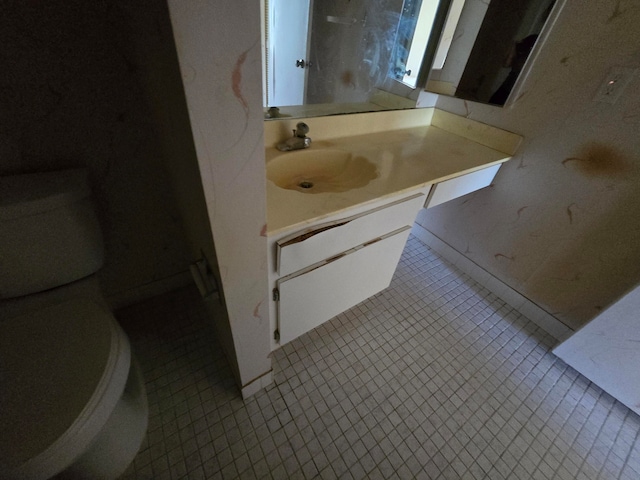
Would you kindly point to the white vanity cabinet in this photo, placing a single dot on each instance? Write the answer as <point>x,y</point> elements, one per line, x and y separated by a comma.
<point>329,251</point>
<point>462,185</point>
<point>322,270</point>
<point>314,295</point>
<point>331,266</point>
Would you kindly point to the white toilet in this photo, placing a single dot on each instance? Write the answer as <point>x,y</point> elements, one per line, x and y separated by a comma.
<point>72,399</point>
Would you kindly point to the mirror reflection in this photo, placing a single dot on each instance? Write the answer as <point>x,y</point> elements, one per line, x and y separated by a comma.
<point>341,56</point>
<point>490,47</point>
<point>345,55</point>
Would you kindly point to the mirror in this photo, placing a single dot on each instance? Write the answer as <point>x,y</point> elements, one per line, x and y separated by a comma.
<point>345,56</point>
<point>493,45</point>
<point>342,56</point>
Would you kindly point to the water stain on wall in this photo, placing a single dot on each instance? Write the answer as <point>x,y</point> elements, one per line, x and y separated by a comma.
<point>256,311</point>
<point>571,279</point>
<point>236,80</point>
<point>598,160</point>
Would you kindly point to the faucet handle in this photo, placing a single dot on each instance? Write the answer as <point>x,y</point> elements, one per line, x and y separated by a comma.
<point>301,129</point>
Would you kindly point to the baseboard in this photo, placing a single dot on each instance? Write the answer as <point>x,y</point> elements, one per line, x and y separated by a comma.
<point>533,312</point>
<point>149,290</point>
<point>256,385</point>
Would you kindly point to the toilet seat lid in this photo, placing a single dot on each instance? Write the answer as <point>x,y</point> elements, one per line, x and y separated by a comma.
<point>63,369</point>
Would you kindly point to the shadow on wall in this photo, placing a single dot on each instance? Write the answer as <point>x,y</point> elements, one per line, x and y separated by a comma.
<point>608,249</point>
<point>71,96</point>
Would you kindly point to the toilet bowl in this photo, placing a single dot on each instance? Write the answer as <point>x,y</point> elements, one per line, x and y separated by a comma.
<point>72,399</point>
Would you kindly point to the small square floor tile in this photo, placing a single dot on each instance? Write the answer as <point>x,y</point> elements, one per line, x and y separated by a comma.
<point>434,377</point>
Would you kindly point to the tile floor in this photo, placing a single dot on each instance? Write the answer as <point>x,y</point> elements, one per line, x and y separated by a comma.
<point>433,378</point>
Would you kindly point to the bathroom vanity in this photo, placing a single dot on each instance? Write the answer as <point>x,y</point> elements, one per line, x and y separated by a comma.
<point>339,213</point>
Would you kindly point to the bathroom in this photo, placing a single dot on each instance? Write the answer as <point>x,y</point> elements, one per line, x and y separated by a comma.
<point>570,251</point>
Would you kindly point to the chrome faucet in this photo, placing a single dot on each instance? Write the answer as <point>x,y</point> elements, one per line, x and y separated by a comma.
<point>299,139</point>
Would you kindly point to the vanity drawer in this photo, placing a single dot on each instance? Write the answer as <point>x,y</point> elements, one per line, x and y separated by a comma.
<point>324,241</point>
<point>309,298</point>
<point>459,186</point>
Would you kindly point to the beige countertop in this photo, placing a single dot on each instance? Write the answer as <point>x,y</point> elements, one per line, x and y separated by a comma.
<point>440,146</point>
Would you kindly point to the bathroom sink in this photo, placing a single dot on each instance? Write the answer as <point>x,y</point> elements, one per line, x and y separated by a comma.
<point>320,171</point>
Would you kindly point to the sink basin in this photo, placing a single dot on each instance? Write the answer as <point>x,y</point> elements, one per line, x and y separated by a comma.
<point>320,171</point>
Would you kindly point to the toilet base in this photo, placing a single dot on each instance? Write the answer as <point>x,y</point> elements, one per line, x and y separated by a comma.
<point>116,446</point>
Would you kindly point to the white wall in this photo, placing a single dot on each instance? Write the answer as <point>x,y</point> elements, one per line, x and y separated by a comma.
<point>218,45</point>
<point>606,350</point>
<point>560,224</point>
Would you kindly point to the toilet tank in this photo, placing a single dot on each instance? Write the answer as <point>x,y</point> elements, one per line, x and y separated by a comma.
<point>49,233</point>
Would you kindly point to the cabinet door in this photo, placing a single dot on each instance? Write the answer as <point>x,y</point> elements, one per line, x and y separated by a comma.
<point>459,186</point>
<point>311,297</point>
<point>323,241</point>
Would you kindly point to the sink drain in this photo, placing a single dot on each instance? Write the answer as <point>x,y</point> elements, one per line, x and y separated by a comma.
<point>305,184</point>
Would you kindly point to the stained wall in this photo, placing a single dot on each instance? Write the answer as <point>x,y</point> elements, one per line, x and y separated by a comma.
<point>218,47</point>
<point>560,224</point>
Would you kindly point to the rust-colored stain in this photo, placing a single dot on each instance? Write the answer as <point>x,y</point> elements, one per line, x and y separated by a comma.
<point>263,231</point>
<point>498,255</point>
<point>599,160</point>
<point>347,78</point>
<point>305,236</point>
<point>256,310</point>
<point>236,80</point>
